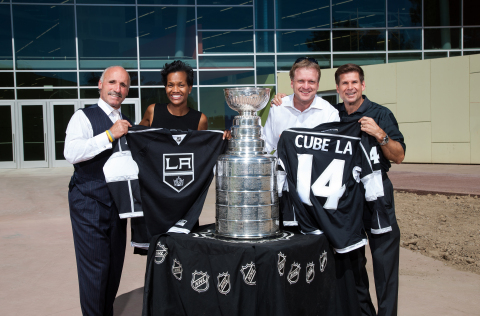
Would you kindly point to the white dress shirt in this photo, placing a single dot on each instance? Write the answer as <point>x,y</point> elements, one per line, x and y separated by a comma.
<point>286,116</point>
<point>80,145</point>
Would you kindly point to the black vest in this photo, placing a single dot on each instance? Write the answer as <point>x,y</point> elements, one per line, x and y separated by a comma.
<point>88,176</point>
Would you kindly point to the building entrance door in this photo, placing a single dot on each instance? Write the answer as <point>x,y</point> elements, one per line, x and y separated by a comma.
<point>32,128</point>
<point>59,113</point>
<point>7,135</point>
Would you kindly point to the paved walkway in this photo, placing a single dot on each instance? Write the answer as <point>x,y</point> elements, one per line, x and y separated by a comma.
<point>37,260</point>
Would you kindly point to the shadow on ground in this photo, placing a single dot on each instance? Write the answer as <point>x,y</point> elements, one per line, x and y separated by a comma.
<point>129,304</point>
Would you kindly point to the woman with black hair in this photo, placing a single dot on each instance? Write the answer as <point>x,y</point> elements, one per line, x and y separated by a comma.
<point>178,80</point>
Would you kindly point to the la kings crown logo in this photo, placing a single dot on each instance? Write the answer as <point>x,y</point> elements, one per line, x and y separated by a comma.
<point>178,170</point>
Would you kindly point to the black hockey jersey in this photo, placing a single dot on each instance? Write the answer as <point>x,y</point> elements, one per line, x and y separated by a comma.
<point>325,166</point>
<point>175,172</point>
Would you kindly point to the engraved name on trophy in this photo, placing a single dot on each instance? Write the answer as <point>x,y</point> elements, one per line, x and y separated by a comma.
<point>246,183</point>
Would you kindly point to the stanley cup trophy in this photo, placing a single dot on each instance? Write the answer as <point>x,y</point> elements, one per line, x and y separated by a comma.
<point>246,184</point>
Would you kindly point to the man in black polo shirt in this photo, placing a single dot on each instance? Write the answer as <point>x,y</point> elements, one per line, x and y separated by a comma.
<point>379,122</point>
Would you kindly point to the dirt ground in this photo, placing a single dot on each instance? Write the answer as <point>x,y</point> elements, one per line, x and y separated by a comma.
<point>445,228</point>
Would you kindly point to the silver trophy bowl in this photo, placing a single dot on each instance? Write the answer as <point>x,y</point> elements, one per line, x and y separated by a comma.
<point>247,99</point>
<point>246,183</point>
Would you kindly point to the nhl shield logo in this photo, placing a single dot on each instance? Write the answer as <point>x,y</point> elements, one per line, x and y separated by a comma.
<point>177,269</point>
<point>178,170</point>
<point>248,273</point>
<point>200,281</point>
<point>294,273</point>
<point>161,253</point>
<point>323,261</point>
<point>310,272</point>
<point>281,263</point>
<point>224,283</point>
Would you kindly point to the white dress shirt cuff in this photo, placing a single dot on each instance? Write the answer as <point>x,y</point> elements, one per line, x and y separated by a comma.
<point>103,142</point>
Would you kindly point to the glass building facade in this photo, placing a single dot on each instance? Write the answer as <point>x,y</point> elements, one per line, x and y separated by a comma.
<point>52,52</point>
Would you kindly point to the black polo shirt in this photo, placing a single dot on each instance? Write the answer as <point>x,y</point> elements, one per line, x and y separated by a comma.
<point>382,116</point>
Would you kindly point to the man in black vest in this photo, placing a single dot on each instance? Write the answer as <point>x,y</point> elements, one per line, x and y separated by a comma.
<point>98,232</point>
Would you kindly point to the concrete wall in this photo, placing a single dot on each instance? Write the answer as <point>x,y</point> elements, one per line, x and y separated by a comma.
<point>436,103</point>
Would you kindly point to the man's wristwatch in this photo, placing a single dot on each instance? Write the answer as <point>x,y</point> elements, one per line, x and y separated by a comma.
<point>385,141</point>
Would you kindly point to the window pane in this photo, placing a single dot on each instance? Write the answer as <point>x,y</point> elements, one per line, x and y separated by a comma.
<point>222,2</point>
<point>358,13</point>
<point>166,33</point>
<point>227,77</point>
<point>47,93</point>
<point>470,12</point>
<point>91,78</point>
<point>399,57</point>
<point>404,13</point>
<point>454,54</point>
<point>151,78</point>
<point>399,39</point>
<point>222,62</point>
<point>265,69</point>
<point>61,116</point>
<point>441,12</point>
<point>157,95</point>
<point>214,106</point>
<point>359,59</point>
<point>6,79</point>
<point>471,38</point>
<point>106,1</point>
<point>50,44</point>
<point>466,53</point>
<point>215,18</point>
<point>106,37</point>
<point>6,144</point>
<point>128,109</point>
<point>93,93</point>
<point>7,94</point>
<point>265,42</point>
<point>43,1</point>
<point>310,14</point>
<point>285,62</point>
<point>442,38</point>
<point>50,79</point>
<point>347,41</point>
<point>6,60</point>
<point>191,2</point>
<point>303,41</point>
<point>33,136</point>
<point>432,55</point>
<point>264,14</point>
<point>225,42</point>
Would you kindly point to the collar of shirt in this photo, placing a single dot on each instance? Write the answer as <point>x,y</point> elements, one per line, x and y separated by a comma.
<point>365,105</point>
<point>107,108</point>
<point>316,104</point>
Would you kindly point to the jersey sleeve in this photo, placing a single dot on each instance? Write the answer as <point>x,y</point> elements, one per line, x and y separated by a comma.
<point>371,178</point>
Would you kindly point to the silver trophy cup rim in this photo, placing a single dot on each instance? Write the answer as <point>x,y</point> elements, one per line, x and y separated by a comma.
<point>264,94</point>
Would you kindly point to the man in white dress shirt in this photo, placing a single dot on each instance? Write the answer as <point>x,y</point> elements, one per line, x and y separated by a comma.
<point>303,108</point>
<point>98,232</point>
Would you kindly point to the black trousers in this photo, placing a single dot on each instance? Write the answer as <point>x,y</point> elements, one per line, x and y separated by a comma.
<point>100,238</point>
<point>352,284</point>
<point>385,249</point>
